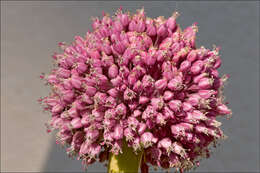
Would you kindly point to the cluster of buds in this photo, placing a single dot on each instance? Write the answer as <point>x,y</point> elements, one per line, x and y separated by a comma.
<point>141,80</point>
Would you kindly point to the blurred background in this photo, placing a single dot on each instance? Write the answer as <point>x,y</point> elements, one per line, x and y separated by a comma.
<point>31,30</point>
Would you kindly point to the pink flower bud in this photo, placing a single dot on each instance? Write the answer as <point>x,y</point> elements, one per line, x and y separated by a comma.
<point>129,135</point>
<point>171,22</point>
<point>175,84</point>
<point>136,144</point>
<point>167,112</point>
<point>141,128</point>
<point>124,19</point>
<point>150,123</point>
<point>137,113</point>
<point>175,105</point>
<point>161,84</point>
<point>113,71</point>
<point>76,123</point>
<point>139,71</point>
<point>85,121</point>
<point>90,90</point>
<point>122,88</point>
<point>206,93</point>
<point>202,129</point>
<point>197,78</point>
<point>78,138</point>
<point>68,95</point>
<point>118,26</point>
<point>116,81</point>
<point>166,144</point>
<point>212,122</point>
<point>160,119</point>
<point>176,47</point>
<point>198,115</point>
<point>94,150</point>
<point>108,123</point>
<point>113,92</point>
<point>76,83</point>
<point>110,102</point>
<point>191,119</point>
<point>161,55</point>
<point>96,23</point>
<point>132,78</point>
<point>97,115</point>
<point>51,102</point>
<point>63,73</point>
<point>56,122</point>
<point>52,79</point>
<point>196,67</point>
<point>84,148</point>
<point>132,123</point>
<point>192,56</point>
<point>162,31</point>
<point>129,94</point>
<point>148,42</point>
<point>149,112</point>
<point>185,65</point>
<point>106,48</point>
<point>147,139</point>
<point>168,95</point>
<point>132,26</point>
<point>110,113</point>
<point>137,60</point>
<point>106,20</point>
<point>101,79</point>
<point>87,99</point>
<point>79,105</point>
<point>147,81</point>
<point>140,26</point>
<point>118,132</point>
<point>186,106</point>
<point>100,98</point>
<point>89,81</point>
<point>138,87</point>
<point>149,59</point>
<point>58,108</point>
<point>121,109</point>
<point>214,73</point>
<point>205,83</point>
<point>217,63</point>
<point>223,109</point>
<point>119,48</point>
<point>96,63</point>
<point>69,61</point>
<point>178,149</point>
<point>73,112</point>
<point>81,68</point>
<point>94,54</point>
<point>157,103</point>
<point>108,137</point>
<point>194,99</point>
<point>151,30</point>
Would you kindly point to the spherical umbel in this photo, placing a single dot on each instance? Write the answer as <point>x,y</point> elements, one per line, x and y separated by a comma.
<point>137,80</point>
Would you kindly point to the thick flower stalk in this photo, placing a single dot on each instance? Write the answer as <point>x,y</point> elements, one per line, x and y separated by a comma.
<point>136,83</point>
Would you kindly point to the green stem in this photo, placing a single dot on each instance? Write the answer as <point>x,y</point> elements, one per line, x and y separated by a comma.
<point>127,162</point>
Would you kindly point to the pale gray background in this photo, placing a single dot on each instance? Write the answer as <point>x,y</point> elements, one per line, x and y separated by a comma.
<point>30,32</point>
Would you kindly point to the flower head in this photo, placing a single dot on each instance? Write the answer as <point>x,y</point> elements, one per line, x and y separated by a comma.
<point>141,80</point>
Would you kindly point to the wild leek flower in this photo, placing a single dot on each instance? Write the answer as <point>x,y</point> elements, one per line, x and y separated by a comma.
<point>136,91</point>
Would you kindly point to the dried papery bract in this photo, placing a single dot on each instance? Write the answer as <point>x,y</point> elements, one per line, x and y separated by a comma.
<point>138,83</point>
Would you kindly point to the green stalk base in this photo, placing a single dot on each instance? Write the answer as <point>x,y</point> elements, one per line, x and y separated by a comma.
<point>127,162</point>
